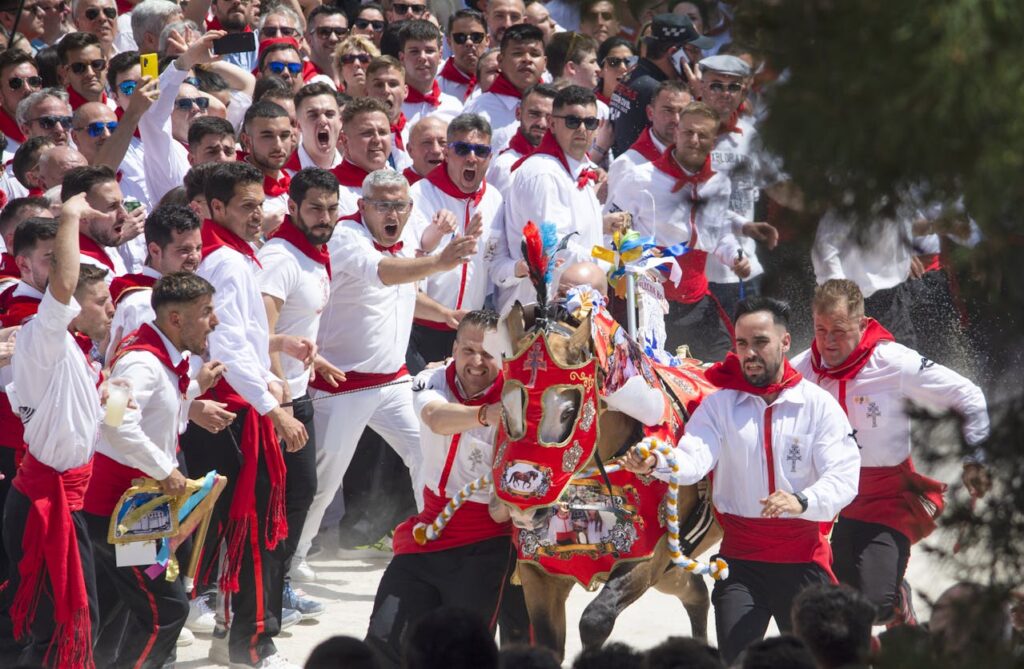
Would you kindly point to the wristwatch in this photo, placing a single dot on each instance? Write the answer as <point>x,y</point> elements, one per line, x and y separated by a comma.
<point>802,498</point>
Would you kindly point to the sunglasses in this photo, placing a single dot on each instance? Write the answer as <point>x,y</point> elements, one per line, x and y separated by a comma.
<point>93,13</point>
<point>325,32</point>
<point>613,61</point>
<point>350,58</point>
<point>50,122</point>
<point>601,16</point>
<point>572,121</point>
<point>406,8</point>
<point>277,67</point>
<point>463,149</point>
<point>363,24</point>
<point>96,129</point>
<point>388,206</point>
<point>32,82</point>
<point>718,87</point>
<point>185,104</point>
<point>32,9</point>
<point>278,31</point>
<point>474,37</point>
<point>128,87</point>
<point>97,65</point>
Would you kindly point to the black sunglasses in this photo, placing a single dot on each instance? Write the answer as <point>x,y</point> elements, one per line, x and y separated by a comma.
<point>278,31</point>
<point>572,121</point>
<point>325,32</point>
<point>719,87</point>
<point>613,61</point>
<point>97,65</point>
<point>363,24</point>
<point>185,104</point>
<point>93,13</point>
<point>474,37</point>
<point>50,122</point>
<point>405,8</point>
<point>463,149</point>
<point>17,82</point>
<point>350,58</point>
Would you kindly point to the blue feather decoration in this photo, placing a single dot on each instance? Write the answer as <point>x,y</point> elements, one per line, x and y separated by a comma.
<point>549,237</point>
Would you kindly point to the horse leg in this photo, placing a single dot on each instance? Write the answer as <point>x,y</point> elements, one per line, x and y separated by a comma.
<point>545,602</point>
<point>690,589</point>
<point>626,583</point>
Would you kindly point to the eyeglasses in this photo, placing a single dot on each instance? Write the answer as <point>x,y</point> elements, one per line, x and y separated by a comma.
<point>277,67</point>
<point>325,32</point>
<point>17,82</point>
<point>601,16</point>
<point>59,8</point>
<point>572,121</point>
<point>93,13</point>
<point>363,24</point>
<point>718,87</point>
<point>185,104</point>
<point>50,122</point>
<point>97,65</point>
<point>474,37</point>
<point>613,61</point>
<point>278,31</point>
<point>390,206</point>
<point>350,58</point>
<point>405,8</point>
<point>33,9</point>
<point>127,87</point>
<point>463,149</point>
<point>96,129</point>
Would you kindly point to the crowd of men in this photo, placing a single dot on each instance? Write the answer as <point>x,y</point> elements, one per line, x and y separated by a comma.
<point>293,248</point>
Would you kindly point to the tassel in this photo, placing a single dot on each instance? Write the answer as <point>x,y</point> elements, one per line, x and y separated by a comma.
<point>73,642</point>
<point>277,519</point>
<point>237,537</point>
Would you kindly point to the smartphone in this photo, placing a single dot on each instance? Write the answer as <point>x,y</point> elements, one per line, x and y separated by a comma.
<point>131,205</point>
<point>235,43</point>
<point>148,63</point>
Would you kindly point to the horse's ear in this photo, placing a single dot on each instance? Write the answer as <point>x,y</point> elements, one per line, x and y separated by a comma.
<point>579,342</point>
<point>516,324</point>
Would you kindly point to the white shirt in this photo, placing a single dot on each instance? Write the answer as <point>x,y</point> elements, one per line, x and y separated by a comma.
<point>302,284</point>
<point>499,174</point>
<point>306,161</point>
<point>449,108</point>
<point>876,400</point>
<point>624,163</point>
<point>115,259</point>
<point>465,286</point>
<point>241,339</point>
<point>148,438</point>
<point>366,325</point>
<point>811,445</point>
<point>475,448</point>
<point>165,160</point>
<point>133,174</point>
<point>133,309</point>
<point>54,388</point>
<point>881,261</point>
<point>453,88</point>
<point>499,110</point>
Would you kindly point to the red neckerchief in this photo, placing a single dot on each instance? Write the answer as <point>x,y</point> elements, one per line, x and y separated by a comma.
<point>433,98</point>
<point>35,191</point>
<point>668,164</point>
<point>520,144</point>
<point>147,339</point>
<point>276,187</point>
<point>848,369</point>
<point>293,164</point>
<point>93,250</point>
<point>15,309</point>
<point>358,218</point>
<point>396,129</point>
<point>10,127</point>
<point>8,267</point>
<point>85,344</point>
<point>489,396</point>
<point>310,70</point>
<point>119,113</point>
<point>729,374</point>
<point>349,174</point>
<point>549,147</point>
<point>440,178</point>
<point>76,100</point>
<point>127,283</point>
<point>645,146</point>
<point>731,124</point>
<point>213,23</point>
<point>502,86</point>
<point>291,234</point>
<point>124,6</point>
<point>411,175</point>
<point>453,73</point>
<point>215,235</point>
<point>602,97</point>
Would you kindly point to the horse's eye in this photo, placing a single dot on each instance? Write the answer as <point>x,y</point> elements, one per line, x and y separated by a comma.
<point>561,406</point>
<point>513,400</point>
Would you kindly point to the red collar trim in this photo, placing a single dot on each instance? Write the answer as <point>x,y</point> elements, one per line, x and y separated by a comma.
<point>502,86</point>
<point>10,127</point>
<point>90,248</point>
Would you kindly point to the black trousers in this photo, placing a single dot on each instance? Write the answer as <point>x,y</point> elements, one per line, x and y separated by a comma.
<point>702,326</point>
<point>156,608</point>
<point>9,470</point>
<point>428,345</point>
<point>729,294</point>
<point>873,559</point>
<point>256,607</point>
<point>414,584</point>
<point>15,514</point>
<point>891,307</point>
<point>300,484</point>
<point>754,593</point>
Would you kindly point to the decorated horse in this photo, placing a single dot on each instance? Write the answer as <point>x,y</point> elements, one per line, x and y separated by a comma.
<point>578,393</point>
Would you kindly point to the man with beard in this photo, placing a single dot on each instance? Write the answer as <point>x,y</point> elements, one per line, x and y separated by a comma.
<point>502,15</point>
<point>100,235</point>
<point>81,68</point>
<point>268,140</point>
<point>154,359</point>
<point>534,116</point>
<point>319,119</point>
<point>467,40</point>
<point>784,463</point>
<point>230,16</point>
<point>366,144</point>
<point>295,283</point>
<point>420,43</point>
<point>522,64</point>
<point>427,144</point>
<point>19,78</point>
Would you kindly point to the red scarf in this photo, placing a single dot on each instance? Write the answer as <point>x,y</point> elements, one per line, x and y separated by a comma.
<point>215,235</point>
<point>8,267</point>
<point>276,187</point>
<point>396,129</point>
<point>502,86</point>
<point>119,113</point>
<point>667,163</point>
<point>520,144</point>
<point>148,339</point>
<point>549,147</point>
<point>50,548</point>
<point>731,124</point>
<point>10,127</point>
<point>644,145</point>
<point>433,98</point>
<point>76,100</point>
<point>310,70</point>
<point>93,250</point>
<point>124,6</point>
<point>293,164</point>
<point>453,73</point>
<point>291,234</point>
<point>489,396</point>
<point>129,283</point>
<point>440,178</point>
<point>729,374</point>
<point>349,174</point>
<point>849,368</point>
<point>411,175</point>
<point>602,97</point>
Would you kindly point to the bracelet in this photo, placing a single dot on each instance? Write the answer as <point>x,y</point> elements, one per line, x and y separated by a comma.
<point>481,416</point>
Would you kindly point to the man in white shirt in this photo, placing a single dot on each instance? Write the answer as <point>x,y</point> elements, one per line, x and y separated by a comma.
<point>269,140</point>
<point>19,78</point>
<point>364,331</point>
<point>874,378</point>
<point>385,81</point>
<point>467,40</point>
<point>784,463</point>
<point>420,44</point>
<point>100,236</point>
<point>326,27</point>
<point>428,142</point>
<point>534,116</point>
<point>319,119</point>
<point>154,360</point>
<point>366,144</point>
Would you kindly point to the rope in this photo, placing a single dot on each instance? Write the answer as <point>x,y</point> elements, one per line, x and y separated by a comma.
<point>423,533</point>
<point>345,392</point>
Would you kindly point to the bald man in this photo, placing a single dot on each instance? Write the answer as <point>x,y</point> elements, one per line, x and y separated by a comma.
<point>580,274</point>
<point>426,147</point>
<point>55,161</point>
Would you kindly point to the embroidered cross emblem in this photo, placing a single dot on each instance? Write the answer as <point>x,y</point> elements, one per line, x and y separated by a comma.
<point>476,458</point>
<point>793,456</point>
<point>873,413</point>
<point>925,364</point>
<point>535,362</point>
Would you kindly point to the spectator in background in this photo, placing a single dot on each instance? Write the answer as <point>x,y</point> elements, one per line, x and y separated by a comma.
<point>537,14</point>
<point>613,655</point>
<point>599,19</point>
<point>777,652</point>
<point>502,15</point>
<point>342,651</point>
<point>677,652</point>
<point>451,638</point>
<point>467,40</point>
<point>327,27</point>
<point>834,622</point>
<point>99,18</point>
<point>369,22</point>
<point>615,56</point>
<point>351,59</point>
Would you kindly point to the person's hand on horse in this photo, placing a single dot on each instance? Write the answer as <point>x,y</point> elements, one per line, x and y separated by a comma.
<point>634,462</point>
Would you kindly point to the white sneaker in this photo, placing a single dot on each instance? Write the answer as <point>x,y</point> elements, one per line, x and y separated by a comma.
<point>185,638</point>
<point>290,617</point>
<point>302,572</point>
<point>201,618</point>
<point>275,661</point>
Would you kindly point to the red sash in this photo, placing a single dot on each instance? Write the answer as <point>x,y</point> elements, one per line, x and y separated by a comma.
<point>109,481</point>
<point>898,497</point>
<point>776,540</point>
<point>291,234</point>
<point>358,381</point>
<point>50,548</point>
<point>129,283</point>
<point>471,524</point>
<point>433,98</point>
<point>90,248</point>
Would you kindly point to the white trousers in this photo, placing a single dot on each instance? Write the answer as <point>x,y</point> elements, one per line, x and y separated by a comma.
<point>339,422</point>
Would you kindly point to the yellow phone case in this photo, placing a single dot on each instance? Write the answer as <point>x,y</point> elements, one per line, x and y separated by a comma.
<point>148,63</point>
